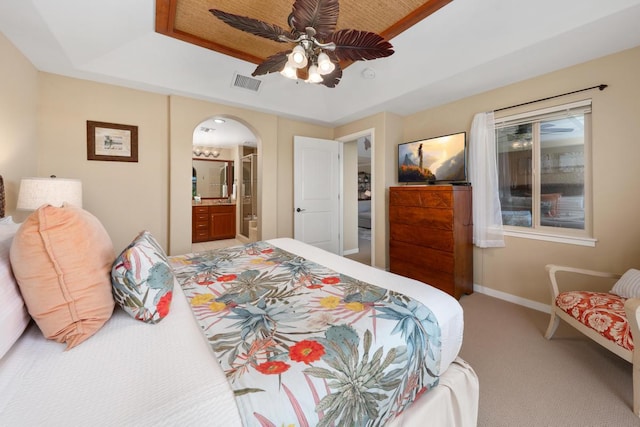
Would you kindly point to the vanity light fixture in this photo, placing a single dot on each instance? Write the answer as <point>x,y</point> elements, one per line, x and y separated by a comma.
<point>206,152</point>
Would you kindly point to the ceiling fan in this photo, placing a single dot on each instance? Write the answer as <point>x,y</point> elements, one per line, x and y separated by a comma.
<point>319,49</point>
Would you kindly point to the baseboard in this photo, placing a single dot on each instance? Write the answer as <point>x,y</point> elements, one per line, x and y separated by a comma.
<point>535,305</point>
<point>350,251</point>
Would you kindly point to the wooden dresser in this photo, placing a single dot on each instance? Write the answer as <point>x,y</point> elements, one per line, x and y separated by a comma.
<point>431,240</point>
<point>213,222</point>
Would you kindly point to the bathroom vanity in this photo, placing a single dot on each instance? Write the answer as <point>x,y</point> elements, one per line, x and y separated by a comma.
<point>213,220</point>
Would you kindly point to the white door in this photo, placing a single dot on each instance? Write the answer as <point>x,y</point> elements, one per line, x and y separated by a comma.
<point>316,192</point>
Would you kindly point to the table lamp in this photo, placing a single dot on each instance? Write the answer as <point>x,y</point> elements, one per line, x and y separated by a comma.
<point>35,192</point>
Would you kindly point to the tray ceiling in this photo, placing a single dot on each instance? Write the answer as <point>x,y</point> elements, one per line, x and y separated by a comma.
<point>191,21</point>
<point>464,48</point>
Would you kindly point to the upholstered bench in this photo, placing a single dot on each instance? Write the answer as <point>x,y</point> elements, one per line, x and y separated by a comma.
<point>609,318</point>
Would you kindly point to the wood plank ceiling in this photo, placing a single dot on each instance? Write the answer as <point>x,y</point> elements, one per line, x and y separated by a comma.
<point>191,21</point>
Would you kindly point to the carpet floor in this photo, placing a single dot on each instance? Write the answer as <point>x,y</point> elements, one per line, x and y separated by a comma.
<point>527,380</point>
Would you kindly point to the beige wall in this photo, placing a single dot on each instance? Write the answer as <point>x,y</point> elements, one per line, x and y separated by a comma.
<point>518,269</point>
<point>127,197</point>
<point>18,126</point>
<point>42,132</point>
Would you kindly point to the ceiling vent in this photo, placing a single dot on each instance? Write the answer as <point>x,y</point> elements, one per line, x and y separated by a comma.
<point>245,82</point>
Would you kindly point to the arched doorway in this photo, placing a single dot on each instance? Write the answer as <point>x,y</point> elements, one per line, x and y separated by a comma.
<point>232,146</point>
<point>186,115</point>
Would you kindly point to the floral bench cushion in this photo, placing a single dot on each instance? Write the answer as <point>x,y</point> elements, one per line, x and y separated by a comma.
<point>599,311</point>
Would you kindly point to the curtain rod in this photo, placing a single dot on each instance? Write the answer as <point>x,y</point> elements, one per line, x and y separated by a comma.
<point>601,87</point>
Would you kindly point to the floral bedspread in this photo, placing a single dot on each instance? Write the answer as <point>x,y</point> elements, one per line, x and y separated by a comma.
<point>303,345</point>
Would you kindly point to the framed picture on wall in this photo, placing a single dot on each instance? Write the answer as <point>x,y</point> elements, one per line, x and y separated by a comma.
<point>112,142</point>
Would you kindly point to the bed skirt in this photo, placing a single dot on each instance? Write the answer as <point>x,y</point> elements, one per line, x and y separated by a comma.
<point>453,403</point>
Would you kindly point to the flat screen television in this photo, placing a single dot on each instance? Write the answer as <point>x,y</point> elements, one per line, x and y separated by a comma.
<point>440,159</point>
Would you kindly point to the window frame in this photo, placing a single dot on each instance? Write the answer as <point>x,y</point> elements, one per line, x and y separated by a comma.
<point>582,237</point>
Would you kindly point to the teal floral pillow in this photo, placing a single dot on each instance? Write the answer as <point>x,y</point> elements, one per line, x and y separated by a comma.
<point>142,280</point>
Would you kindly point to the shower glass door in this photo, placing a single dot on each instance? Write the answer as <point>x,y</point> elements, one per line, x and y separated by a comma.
<point>248,194</point>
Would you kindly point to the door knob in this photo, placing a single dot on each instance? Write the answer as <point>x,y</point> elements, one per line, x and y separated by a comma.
<point>300,210</point>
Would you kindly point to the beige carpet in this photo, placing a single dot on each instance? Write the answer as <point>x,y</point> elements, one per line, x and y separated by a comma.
<point>526,380</point>
<point>214,244</point>
<point>364,247</point>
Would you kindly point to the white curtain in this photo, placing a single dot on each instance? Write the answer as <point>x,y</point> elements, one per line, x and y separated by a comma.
<point>483,171</point>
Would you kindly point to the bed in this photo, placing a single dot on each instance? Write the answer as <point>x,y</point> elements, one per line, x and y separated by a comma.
<point>135,373</point>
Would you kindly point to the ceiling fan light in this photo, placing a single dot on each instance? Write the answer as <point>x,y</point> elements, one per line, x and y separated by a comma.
<point>289,71</point>
<point>314,75</point>
<point>298,57</point>
<point>325,66</point>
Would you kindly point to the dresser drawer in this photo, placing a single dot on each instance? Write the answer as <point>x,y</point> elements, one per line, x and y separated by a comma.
<point>433,238</point>
<point>201,225</point>
<point>198,217</point>
<point>222,209</point>
<point>420,257</point>
<point>200,210</point>
<point>429,198</point>
<point>421,217</point>
<point>201,235</point>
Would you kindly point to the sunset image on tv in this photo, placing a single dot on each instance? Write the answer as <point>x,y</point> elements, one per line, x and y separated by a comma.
<point>434,159</point>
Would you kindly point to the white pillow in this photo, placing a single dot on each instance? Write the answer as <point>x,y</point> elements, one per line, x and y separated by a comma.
<point>628,286</point>
<point>13,315</point>
<point>7,220</point>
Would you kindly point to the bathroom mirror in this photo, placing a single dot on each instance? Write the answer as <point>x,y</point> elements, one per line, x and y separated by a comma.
<point>211,178</point>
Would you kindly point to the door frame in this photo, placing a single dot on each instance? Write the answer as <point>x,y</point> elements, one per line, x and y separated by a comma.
<point>352,137</point>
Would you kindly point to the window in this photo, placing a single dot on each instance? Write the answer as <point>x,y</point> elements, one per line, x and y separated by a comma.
<point>543,170</point>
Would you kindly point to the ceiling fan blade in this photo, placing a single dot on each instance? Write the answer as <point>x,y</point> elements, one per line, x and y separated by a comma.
<point>252,26</point>
<point>356,45</point>
<point>556,130</point>
<point>332,79</point>
<point>551,128</point>
<point>322,15</point>
<point>273,64</point>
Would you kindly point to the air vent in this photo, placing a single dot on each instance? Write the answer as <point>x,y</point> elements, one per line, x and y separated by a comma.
<point>245,82</point>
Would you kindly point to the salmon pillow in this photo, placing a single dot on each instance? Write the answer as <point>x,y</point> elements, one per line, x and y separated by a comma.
<point>61,258</point>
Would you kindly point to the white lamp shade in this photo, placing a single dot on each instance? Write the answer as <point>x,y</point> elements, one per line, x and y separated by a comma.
<point>298,57</point>
<point>314,75</point>
<point>325,66</point>
<point>289,71</point>
<point>35,192</point>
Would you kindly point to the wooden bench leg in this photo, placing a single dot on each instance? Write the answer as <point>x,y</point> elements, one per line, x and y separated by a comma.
<point>554,321</point>
<point>636,389</point>
<point>632,310</point>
